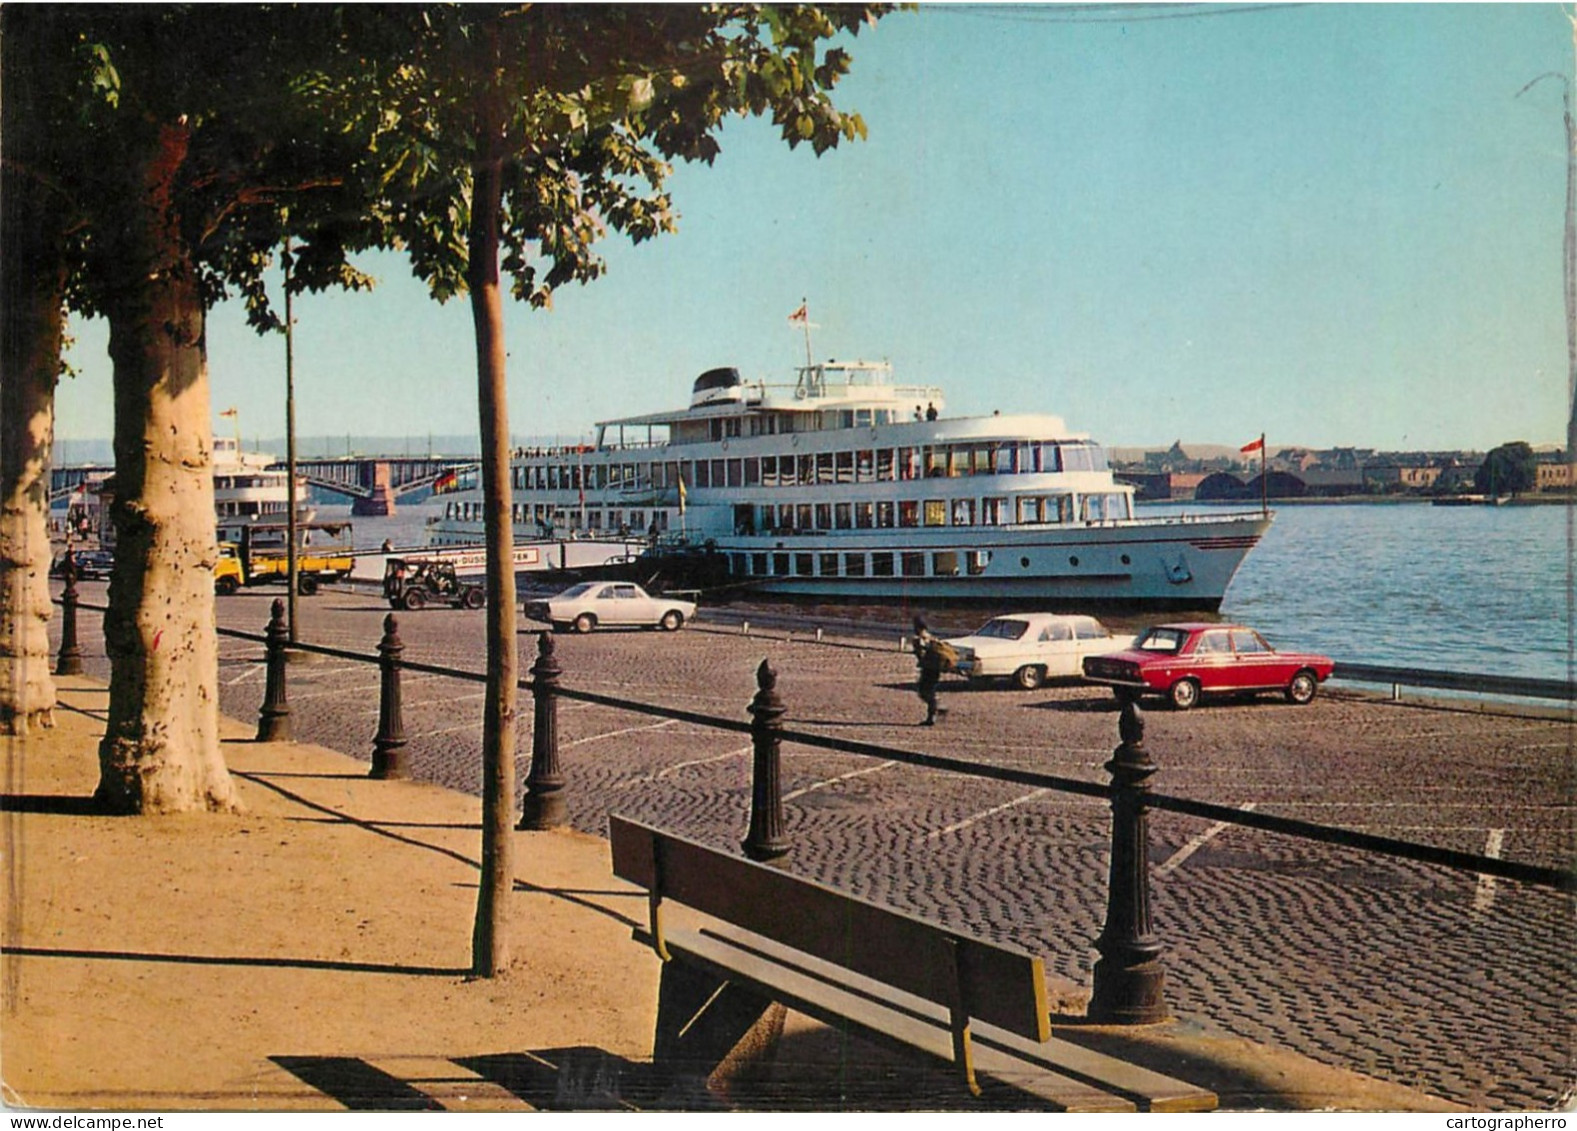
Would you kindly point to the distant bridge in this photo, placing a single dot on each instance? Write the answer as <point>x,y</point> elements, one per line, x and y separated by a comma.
<point>373,483</point>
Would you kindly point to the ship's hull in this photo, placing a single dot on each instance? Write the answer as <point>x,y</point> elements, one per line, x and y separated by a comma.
<point>1160,564</point>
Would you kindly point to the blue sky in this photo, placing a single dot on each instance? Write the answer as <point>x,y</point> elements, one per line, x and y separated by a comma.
<point>1332,223</point>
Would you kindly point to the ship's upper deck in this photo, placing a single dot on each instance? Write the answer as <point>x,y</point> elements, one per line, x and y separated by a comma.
<point>826,397</point>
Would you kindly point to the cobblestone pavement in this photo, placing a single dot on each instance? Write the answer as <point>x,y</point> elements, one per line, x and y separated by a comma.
<point>1461,986</point>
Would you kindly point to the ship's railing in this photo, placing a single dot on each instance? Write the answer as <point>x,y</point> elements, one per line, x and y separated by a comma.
<point>1190,519</point>
<point>921,395</point>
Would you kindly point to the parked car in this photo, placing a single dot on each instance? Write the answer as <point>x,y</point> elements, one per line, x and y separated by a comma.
<point>89,563</point>
<point>1185,661</point>
<point>612,603</point>
<point>1033,647</point>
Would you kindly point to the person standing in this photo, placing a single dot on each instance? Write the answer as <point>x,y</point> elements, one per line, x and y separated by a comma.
<point>929,658</point>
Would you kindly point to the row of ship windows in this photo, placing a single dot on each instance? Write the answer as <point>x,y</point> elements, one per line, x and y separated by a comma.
<point>783,423</point>
<point>881,563</point>
<point>232,508</point>
<point>997,510</point>
<point>870,465</point>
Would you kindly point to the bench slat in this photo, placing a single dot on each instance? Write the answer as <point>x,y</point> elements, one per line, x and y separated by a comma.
<point>1151,1090</point>
<point>898,1019</point>
<point>1006,987</point>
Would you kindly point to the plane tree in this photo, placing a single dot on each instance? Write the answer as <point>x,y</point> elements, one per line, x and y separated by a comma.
<point>37,218</point>
<point>185,144</point>
<point>526,134</point>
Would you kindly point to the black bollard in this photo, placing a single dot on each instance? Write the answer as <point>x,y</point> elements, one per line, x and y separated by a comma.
<point>765,840</point>
<point>1129,977</point>
<point>69,662</point>
<point>388,747</point>
<point>543,807</point>
<point>273,721</point>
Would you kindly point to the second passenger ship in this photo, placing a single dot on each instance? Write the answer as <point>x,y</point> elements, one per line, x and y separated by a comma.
<point>848,486</point>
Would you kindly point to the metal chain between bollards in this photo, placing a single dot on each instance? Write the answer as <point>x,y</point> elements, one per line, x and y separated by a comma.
<point>388,746</point>
<point>69,662</point>
<point>765,840</point>
<point>543,807</point>
<point>1129,975</point>
<point>273,720</point>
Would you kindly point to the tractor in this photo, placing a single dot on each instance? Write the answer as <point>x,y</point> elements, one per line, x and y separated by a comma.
<point>411,583</point>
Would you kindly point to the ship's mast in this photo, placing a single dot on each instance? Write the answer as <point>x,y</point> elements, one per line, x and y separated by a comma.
<point>801,317</point>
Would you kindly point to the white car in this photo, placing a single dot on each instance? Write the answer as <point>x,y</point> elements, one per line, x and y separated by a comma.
<point>612,603</point>
<point>1034,647</point>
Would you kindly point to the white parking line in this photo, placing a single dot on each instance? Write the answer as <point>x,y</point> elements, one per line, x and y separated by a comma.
<point>677,766</point>
<point>410,703</point>
<point>616,733</point>
<point>249,673</point>
<point>445,730</point>
<point>1484,897</point>
<point>1197,843</point>
<point>355,690</point>
<point>833,781</point>
<point>967,821</point>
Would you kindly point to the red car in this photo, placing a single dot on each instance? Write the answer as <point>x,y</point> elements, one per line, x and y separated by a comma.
<point>1184,661</point>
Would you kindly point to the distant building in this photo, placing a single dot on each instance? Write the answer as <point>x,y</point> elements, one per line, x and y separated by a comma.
<point>1331,483</point>
<point>1400,476</point>
<point>1222,486</point>
<point>1555,473</point>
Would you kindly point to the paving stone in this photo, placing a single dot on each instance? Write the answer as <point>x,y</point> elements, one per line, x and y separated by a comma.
<point>1379,965</point>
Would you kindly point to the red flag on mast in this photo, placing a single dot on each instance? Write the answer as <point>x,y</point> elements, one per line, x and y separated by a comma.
<point>1254,445</point>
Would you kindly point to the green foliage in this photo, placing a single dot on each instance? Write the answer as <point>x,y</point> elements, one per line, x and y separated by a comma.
<point>1508,469</point>
<point>591,104</point>
<point>223,89</point>
<point>360,126</point>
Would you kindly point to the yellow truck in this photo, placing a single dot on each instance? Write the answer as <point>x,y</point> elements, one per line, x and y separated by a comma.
<point>259,558</point>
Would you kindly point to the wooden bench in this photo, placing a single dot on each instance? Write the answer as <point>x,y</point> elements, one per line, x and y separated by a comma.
<point>765,940</point>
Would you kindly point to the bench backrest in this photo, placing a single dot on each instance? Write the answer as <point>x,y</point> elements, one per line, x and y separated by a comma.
<point>998,984</point>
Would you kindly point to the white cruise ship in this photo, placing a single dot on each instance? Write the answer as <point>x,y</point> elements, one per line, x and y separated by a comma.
<point>249,488</point>
<point>848,486</point>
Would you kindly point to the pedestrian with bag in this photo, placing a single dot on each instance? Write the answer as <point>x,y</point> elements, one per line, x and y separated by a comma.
<point>929,654</point>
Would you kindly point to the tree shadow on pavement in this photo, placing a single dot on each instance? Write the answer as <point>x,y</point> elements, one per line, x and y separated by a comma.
<point>59,805</point>
<point>356,1084</point>
<point>240,960</point>
<point>576,1078</point>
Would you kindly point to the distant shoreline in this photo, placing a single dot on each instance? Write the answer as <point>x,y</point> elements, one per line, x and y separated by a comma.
<point>1368,500</point>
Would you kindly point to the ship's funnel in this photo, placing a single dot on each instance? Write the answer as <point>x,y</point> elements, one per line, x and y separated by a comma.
<point>717,386</point>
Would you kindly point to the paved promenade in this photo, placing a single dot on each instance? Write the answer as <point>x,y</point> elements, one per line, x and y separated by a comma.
<point>1427,979</point>
<point>311,954</point>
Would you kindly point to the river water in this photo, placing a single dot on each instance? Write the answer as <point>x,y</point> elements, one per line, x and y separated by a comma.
<point>1473,589</point>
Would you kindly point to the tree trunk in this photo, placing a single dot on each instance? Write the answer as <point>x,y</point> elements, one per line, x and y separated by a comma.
<point>32,319</point>
<point>160,752</point>
<point>32,281</point>
<point>490,937</point>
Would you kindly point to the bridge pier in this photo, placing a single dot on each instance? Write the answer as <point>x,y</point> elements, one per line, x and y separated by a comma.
<point>381,500</point>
